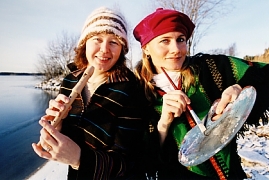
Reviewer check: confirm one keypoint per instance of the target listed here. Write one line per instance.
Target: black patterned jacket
(109, 129)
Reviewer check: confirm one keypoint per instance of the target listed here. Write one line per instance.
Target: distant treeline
(20, 74)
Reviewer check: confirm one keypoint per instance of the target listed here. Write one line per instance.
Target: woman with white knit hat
(101, 135)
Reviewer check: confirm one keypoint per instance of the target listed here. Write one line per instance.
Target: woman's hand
(56, 146)
(229, 95)
(174, 104)
(56, 106)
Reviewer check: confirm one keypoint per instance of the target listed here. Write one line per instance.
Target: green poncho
(214, 74)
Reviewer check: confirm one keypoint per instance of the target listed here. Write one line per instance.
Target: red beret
(160, 22)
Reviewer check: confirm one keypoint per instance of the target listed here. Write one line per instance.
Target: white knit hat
(105, 20)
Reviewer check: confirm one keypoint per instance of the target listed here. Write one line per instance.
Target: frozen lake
(21, 106)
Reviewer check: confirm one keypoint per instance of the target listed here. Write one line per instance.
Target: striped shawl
(108, 129)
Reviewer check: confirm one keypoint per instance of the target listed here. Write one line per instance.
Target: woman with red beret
(202, 79)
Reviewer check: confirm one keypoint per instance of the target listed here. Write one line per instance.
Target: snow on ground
(52, 170)
(254, 152)
(52, 84)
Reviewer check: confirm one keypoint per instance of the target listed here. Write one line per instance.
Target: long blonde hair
(145, 70)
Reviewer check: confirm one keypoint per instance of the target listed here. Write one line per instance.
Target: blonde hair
(145, 70)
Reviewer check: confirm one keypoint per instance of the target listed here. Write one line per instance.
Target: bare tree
(230, 51)
(203, 14)
(53, 61)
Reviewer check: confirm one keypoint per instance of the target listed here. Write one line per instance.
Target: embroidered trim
(222, 164)
(218, 168)
(235, 70)
(215, 73)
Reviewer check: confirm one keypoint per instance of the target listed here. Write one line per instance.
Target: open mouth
(103, 58)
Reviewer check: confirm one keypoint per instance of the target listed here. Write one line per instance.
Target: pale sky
(27, 26)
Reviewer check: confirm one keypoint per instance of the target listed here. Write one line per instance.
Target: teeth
(103, 59)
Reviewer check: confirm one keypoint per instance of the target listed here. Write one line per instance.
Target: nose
(104, 47)
(174, 47)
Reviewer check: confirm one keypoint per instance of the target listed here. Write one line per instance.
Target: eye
(114, 42)
(181, 39)
(96, 38)
(164, 41)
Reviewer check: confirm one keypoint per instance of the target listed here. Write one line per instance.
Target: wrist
(76, 167)
(163, 127)
(76, 164)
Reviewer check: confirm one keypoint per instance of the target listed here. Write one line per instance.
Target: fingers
(57, 105)
(47, 118)
(175, 107)
(176, 101)
(52, 112)
(58, 102)
(67, 152)
(49, 134)
(174, 104)
(40, 152)
(178, 95)
(229, 95)
(49, 141)
(46, 143)
(56, 146)
(216, 117)
(62, 98)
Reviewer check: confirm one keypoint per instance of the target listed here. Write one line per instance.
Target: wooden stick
(75, 92)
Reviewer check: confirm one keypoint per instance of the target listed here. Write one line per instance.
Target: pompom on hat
(105, 20)
(160, 22)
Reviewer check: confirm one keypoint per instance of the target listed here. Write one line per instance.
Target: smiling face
(103, 51)
(167, 50)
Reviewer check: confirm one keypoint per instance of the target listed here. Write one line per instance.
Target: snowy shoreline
(53, 84)
(51, 170)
